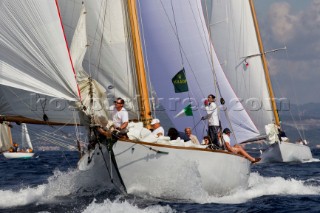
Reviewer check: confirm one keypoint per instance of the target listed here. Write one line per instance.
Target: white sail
(235, 41)
(108, 59)
(92, 92)
(5, 137)
(26, 141)
(165, 26)
(34, 54)
(35, 61)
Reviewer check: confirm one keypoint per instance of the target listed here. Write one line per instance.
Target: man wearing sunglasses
(120, 115)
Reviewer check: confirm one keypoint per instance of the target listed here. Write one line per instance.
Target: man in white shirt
(120, 119)
(213, 119)
(120, 115)
(236, 149)
(192, 137)
(157, 128)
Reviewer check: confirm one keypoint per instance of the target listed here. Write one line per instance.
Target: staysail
(108, 57)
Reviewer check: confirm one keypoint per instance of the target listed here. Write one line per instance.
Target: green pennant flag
(180, 82)
(187, 111)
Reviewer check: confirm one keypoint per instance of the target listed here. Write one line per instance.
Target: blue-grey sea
(47, 183)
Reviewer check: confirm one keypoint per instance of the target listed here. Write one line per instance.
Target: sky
(294, 24)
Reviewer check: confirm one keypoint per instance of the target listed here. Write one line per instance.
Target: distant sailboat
(26, 150)
(235, 35)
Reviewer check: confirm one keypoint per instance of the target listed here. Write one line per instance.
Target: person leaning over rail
(236, 149)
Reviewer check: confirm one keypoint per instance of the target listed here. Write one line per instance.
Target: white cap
(155, 121)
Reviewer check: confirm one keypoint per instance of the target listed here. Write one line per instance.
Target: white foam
(185, 185)
(22, 197)
(260, 186)
(60, 184)
(124, 206)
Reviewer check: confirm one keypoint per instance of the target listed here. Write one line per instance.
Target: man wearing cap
(213, 119)
(157, 128)
(120, 115)
(236, 149)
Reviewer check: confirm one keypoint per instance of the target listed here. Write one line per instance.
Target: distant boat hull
(147, 166)
(23, 155)
(286, 152)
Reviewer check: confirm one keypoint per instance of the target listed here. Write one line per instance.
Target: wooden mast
(264, 62)
(139, 61)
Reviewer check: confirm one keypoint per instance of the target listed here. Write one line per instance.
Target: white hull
(217, 172)
(286, 152)
(18, 155)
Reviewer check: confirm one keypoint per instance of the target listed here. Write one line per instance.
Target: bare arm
(124, 125)
(101, 131)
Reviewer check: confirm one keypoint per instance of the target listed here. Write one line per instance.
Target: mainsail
(26, 141)
(235, 40)
(176, 36)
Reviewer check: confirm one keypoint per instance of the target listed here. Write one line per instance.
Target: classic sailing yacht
(108, 60)
(144, 154)
(235, 35)
(26, 145)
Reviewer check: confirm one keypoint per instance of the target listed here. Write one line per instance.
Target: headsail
(92, 92)
(34, 55)
(34, 62)
(108, 59)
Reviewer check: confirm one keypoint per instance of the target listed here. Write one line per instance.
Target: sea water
(49, 182)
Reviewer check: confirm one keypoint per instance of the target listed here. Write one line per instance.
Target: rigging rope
(300, 132)
(210, 46)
